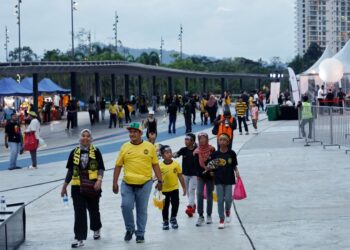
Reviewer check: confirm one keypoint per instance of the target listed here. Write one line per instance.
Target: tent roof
(328, 53)
(45, 85)
(344, 56)
(9, 87)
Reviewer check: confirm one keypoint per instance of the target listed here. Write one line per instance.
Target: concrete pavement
(298, 198)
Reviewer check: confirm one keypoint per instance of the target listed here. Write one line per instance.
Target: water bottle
(3, 204)
(65, 200)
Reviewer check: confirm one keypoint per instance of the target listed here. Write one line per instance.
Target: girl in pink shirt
(255, 115)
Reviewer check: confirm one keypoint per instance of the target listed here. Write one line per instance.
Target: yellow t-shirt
(170, 176)
(120, 112)
(228, 101)
(203, 104)
(113, 109)
(137, 161)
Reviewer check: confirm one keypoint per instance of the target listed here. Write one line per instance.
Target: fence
(12, 226)
(330, 126)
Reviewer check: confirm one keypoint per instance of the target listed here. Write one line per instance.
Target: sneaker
(32, 167)
(247, 133)
(200, 221)
(173, 223)
(189, 211)
(166, 225)
(140, 239)
(77, 243)
(228, 217)
(209, 220)
(128, 235)
(221, 224)
(97, 235)
(240, 133)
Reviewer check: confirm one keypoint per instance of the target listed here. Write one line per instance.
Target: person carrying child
(171, 174)
(225, 162)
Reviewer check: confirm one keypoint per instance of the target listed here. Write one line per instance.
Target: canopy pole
(35, 92)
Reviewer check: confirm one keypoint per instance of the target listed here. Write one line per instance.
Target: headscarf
(211, 102)
(81, 134)
(203, 151)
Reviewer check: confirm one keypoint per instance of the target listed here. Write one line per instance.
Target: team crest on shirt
(229, 160)
(145, 151)
(175, 171)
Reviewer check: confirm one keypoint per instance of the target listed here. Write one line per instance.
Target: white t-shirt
(320, 94)
(56, 100)
(34, 125)
(256, 98)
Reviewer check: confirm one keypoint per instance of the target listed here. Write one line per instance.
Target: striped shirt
(241, 108)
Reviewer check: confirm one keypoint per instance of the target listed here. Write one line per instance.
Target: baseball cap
(151, 112)
(135, 125)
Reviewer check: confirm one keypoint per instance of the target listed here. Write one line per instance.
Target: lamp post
(161, 50)
(18, 14)
(7, 40)
(89, 42)
(180, 40)
(73, 5)
(276, 76)
(115, 28)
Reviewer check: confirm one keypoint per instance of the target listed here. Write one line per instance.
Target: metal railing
(12, 226)
(330, 126)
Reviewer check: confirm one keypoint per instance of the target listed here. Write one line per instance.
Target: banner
(275, 92)
(294, 85)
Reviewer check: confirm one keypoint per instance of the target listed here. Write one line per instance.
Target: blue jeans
(14, 151)
(200, 197)
(224, 193)
(172, 121)
(139, 197)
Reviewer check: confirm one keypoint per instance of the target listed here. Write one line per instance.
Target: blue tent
(45, 86)
(9, 87)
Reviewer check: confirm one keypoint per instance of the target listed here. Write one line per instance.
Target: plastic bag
(30, 141)
(215, 196)
(158, 200)
(239, 190)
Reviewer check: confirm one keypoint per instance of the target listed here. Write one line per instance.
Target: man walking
(138, 158)
(241, 109)
(172, 111)
(13, 139)
(113, 110)
(187, 116)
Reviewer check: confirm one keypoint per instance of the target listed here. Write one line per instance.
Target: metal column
(186, 84)
(140, 85)
(154, 81)
(97, 96)
(114, 95)
(204, 85)
(35, 92)
(126, 86)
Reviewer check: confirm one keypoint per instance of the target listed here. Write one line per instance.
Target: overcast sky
(219, 28)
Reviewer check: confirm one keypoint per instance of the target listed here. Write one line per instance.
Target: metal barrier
(330, 127)
(12, 226)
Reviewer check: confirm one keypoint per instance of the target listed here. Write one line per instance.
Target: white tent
(344, 57)
(328, 53)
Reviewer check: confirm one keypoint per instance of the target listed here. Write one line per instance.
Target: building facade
(325, 22)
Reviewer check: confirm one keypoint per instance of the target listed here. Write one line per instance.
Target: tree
(55, 55)
(27, 54)
(154, 58)
(143, 58)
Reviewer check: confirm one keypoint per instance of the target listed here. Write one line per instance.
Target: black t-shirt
(13, 131)
(189, 162)
(225, 174)
(103, 105)
(172, 110)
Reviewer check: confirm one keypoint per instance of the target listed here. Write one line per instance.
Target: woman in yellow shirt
(172, 174)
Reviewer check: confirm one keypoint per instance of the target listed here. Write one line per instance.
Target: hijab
(203, 151)
(211, 102)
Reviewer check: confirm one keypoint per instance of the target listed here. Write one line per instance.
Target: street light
(7, 40)
(180, 40)
(115, 28)
(161, 50)
(73, 7)
(276, 76)
(18, 14)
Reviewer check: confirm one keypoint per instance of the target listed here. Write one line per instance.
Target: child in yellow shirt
(172, 174)
(120, 116)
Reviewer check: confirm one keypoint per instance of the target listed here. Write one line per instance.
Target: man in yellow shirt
(138, 158)
(113, 110)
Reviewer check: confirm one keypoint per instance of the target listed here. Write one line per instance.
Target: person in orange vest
(225, 124)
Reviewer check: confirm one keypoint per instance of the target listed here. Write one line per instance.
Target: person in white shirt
(34, 125)
(320, 95)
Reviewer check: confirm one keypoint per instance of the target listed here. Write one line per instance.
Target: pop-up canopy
(9, 87)
(46, 85)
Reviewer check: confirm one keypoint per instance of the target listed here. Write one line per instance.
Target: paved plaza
(298, 197)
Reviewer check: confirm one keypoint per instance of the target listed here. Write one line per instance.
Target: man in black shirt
(341, 95)
(13, 139)
(187, 115)
(71, 110)
(189, 170)
(172, 111)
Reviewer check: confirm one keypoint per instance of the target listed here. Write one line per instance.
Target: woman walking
(85, 172)
(34, 126)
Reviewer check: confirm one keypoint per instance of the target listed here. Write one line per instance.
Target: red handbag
(30, 141)
(239, 190)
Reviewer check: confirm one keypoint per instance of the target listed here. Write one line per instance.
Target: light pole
(73, 5)
(115, 28)
(7, 40)
(180, 40)
(89, 42)
(18, 14)
(161, 50)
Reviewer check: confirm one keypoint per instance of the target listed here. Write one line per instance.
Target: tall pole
(18, 12)
(89, 42)
(115, 28)
(7, 40)
(180, 40)
(161, 50)
(72, 9)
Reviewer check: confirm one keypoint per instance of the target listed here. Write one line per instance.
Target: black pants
(127, 117)
(81, 203)
(240, 120)
(92, 114)
(194, 116)
(173, 198)
(113, 118)
(204, 119)
(70, 121)
(188, 124)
